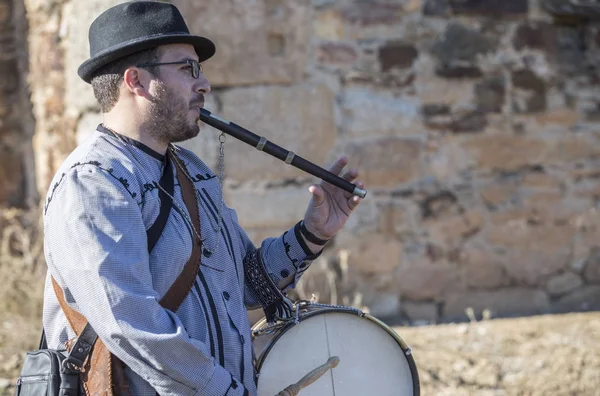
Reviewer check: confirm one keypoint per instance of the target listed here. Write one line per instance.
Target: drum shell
(373, 358)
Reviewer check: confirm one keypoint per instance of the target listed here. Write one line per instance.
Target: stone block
(560, 117)
(491, 8)
(258, 42)
(299, 118)
(397, 218)
(446, 159)
(457, 51)
(329, 25)
(386, 162)
(336, 54)
(482, 268)
(368, 112)
(530, 91)
(500, 303)
(532, 252)
(421, 311)
(9, 83)
(273, 208)
(498, 193)
(439, 204)
(540, 180)
(452, 231)
(585, 299)
(460, 43)
(563, 283)
(397, 55)
(421, 280)
(439, 8)
(435, 109)
(360, 20)
(364, 221)
(453, 71)
(384, 305)
(572, 148)
(505, 152)
(373, 254)
(430, 88)
(373, 12)
(536, 35)
(11, 177)
(591, 271)
(552, 206)
(468, 122)
(490, 95)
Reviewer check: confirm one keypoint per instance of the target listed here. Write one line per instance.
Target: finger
(318, 194)
(338, 165)
(353, 202)
(351, 174)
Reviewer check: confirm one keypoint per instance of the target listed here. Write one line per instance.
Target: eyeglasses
(196, 67)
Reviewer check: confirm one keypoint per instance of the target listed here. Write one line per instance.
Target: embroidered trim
(122, 180)
(199, 177)
(263, 288)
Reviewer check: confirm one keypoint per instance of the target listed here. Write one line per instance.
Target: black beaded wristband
(310, 236)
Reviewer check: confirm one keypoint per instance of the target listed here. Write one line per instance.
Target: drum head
(372, 360)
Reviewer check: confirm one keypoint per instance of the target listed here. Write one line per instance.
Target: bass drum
(373, 359)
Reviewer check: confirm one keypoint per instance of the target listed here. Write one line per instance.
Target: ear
(135, 81)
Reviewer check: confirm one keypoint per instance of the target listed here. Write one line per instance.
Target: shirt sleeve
(97, 241)
(285, 258)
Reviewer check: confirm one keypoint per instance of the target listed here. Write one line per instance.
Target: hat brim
(204, 47)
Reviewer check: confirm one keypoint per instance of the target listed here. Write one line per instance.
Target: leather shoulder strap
(167, 183)
(184, 282)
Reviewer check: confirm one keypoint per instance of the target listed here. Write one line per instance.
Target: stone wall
(474, 123)
(17, 181)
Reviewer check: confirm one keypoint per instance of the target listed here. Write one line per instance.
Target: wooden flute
(289, 157)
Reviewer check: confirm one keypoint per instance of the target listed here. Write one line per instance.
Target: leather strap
(184, 282)
(107, 376)
(166, 202)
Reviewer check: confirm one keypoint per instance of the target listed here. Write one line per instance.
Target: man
(145, 72)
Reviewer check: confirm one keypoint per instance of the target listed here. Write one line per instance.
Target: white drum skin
(373, 358)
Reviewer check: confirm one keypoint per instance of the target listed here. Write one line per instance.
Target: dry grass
(22, 270)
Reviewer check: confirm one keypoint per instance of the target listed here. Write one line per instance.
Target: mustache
(197, 101)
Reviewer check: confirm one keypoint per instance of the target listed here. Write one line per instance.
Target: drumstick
(309, 378)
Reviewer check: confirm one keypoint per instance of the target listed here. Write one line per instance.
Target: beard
(168, 120)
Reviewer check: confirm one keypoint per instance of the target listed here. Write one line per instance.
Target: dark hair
(107, 80)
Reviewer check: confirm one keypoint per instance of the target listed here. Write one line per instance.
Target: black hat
(135, 26)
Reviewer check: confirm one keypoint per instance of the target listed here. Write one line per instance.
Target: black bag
(44, 373)
(49, 372)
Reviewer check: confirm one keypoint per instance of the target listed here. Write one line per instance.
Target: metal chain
(222, 139)
(187, 176)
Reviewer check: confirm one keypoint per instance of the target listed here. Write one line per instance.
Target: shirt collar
(133, 142)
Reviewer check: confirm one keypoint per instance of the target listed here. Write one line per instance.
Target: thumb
(318, 194)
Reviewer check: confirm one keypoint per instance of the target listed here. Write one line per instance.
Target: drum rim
(403, 345)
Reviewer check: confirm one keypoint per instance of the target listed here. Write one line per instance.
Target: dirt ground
(546, 355)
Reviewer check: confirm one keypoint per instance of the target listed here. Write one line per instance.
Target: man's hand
(330, 206)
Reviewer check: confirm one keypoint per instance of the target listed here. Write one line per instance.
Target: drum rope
(303, 304)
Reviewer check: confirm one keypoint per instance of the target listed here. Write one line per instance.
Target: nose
(202, 85)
